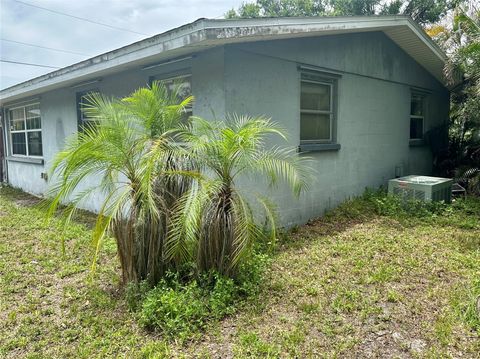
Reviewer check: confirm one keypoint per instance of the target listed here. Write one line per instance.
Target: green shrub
(250, 274)
(135, 294)
(177, 311)
(181, 310)
(393, 206)
(222, 297)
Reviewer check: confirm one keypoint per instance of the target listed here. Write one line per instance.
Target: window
(317, 110)
(183, 86)
(417, 116)
(26, 130)
(83, 119)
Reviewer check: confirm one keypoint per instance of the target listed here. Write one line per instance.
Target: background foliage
(460, 38)
(422, 11)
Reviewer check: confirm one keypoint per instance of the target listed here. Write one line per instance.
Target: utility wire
(28, 64)
(44, 47)
(80, 18)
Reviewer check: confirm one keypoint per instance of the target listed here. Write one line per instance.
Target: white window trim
(81, 121)
(25, 130)
(331, 113)
(422, 117)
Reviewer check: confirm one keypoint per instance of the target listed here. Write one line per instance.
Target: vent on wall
(421, 188)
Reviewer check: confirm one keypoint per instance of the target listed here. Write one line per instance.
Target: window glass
(84, 100)
(25, 130)
(34, 143)
(315, 96)
(183, 87)
(32, 111)
(314, 127)
(316, 111)
(18, 144)
(34, 123)
(416, 128)
(17, 114)
(416, 107)
(17, 125)
(17, 122)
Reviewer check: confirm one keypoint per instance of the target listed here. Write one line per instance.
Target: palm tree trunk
(216, 241)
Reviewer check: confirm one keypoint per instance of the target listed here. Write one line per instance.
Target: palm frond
(225, 151)
(130, 158)
(284, 164)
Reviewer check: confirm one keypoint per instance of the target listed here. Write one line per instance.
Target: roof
(207, 33)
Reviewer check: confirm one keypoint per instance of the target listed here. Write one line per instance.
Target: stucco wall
(373, 111)
(263, 79)
(59, 112)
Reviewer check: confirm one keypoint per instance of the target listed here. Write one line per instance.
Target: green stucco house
(357, 94)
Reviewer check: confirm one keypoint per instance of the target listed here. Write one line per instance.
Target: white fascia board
(427, 40)
(108, 61)
(211, 33)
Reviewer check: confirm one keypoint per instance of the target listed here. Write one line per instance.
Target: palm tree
(463, 44)
(139, 169)
(215, 221)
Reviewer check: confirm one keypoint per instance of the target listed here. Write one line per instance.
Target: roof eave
(188, 38)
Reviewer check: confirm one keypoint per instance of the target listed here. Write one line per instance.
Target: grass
(354, 283)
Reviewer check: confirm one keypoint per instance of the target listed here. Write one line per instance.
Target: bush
(222, 297)
(175, 311)
(135, 294)
(181, 307)
(386, 205)
(250, 275)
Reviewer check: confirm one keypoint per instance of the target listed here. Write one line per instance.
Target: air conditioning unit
(421, 188)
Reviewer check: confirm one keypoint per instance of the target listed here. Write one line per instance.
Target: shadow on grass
(23, 199)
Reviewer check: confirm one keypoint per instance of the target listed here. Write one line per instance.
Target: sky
(31, 25)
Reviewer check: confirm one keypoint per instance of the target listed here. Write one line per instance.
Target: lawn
(364, 281)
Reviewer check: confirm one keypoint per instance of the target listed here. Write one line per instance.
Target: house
(357, 94)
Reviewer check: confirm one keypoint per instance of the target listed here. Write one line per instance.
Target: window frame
(189, 109)
(78, 97)
(330, 113)
(331, 80)
(423, 116)
(172, 76)
(25, 130)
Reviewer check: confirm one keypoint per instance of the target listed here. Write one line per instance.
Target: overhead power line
(80, 18)
(28, 64)
(44, 47)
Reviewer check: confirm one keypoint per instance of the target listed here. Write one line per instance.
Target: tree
(278, 8)
(215, 222)
(354, 7)
(462, 42)
(169, 188)
(141, 172)
(427, 11)
(422, 11)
